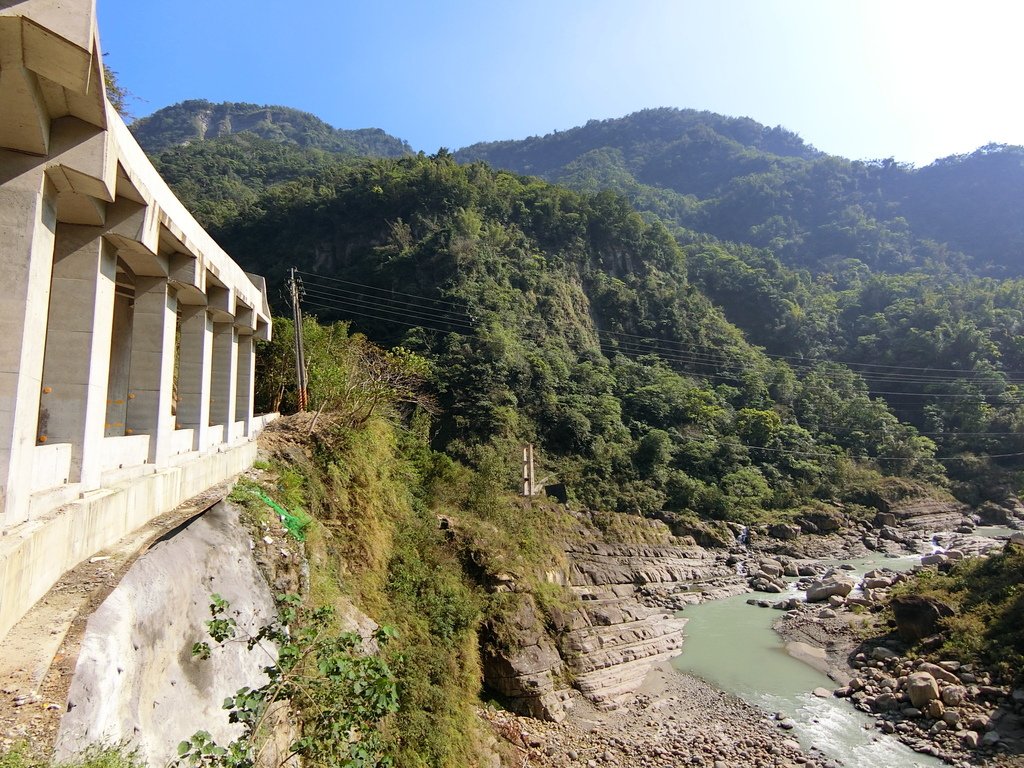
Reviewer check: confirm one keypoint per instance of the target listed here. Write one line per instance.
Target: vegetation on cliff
(986, 601)
(198, 120)
(404, 533)
(569, 321)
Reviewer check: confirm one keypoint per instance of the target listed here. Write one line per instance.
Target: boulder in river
(918, 617)
(922, 688)
(824, 589)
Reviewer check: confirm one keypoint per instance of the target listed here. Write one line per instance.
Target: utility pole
(300, 351)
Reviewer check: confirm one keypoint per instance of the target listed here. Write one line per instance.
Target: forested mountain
(747, 183)
(197, 120)
(566, 319)
(660, 367)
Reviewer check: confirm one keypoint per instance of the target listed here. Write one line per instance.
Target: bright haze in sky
(869, 79)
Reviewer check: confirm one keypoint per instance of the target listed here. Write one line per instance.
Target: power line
(348, 294)
(686, 354)
(376, 288)
(401, 312)
(335, 308)
(342, 299)
(812, 360)
(738, 376)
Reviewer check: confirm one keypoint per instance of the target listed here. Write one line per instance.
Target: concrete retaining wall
(34, 555)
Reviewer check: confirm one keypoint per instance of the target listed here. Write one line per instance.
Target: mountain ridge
(700, 172)
(199, 119)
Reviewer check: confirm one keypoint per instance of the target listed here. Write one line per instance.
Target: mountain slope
(197, 120)
(744, 182)
(568, 321)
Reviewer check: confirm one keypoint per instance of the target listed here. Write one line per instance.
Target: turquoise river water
(732, 645)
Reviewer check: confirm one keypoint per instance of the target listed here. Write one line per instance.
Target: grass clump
(20, 755)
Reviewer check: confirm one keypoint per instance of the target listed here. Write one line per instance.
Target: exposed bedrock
(615, 623)
(136, 680)
(928, 514)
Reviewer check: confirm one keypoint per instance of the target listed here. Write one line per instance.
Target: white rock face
(136, 679)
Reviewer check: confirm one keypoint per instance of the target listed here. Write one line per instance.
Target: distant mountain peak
(199, 120)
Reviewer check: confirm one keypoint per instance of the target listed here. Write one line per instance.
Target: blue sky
(864, 79)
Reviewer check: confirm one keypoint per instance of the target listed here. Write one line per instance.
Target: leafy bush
(341, 692)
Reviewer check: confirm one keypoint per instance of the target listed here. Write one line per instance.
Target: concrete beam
(25, 126)
(73, 208)
(82, 159)
(135, 231)
(245, 318)
(187, 273)
(60, 38)
(221, 302)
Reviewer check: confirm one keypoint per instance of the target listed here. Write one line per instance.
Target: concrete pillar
(120, 364)
(195, 360)
(151, 378)
(73, 405)
(27, 224)
(225, 377)
(246, 380)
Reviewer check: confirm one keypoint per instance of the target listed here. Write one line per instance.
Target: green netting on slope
(295, 524)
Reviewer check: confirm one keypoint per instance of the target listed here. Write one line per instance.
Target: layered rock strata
(928, 514)
(621, 629)
(611, 629)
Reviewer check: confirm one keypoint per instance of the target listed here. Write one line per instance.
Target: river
(732, 645)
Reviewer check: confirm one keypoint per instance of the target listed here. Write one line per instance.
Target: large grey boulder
(820, 590)
(922, 688)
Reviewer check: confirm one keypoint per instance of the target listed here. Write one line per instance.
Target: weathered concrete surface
(136, 679)
(96, 257)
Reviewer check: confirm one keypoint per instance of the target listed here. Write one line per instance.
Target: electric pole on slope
(295, 290)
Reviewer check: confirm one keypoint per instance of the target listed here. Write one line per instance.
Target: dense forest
(747, 183)
(665, 353)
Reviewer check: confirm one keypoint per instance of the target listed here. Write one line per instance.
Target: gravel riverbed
(676, 720)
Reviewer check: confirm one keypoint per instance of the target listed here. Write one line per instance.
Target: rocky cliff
(612, 626)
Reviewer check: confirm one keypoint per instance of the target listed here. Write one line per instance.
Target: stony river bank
(632, 709)
(675, 720)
